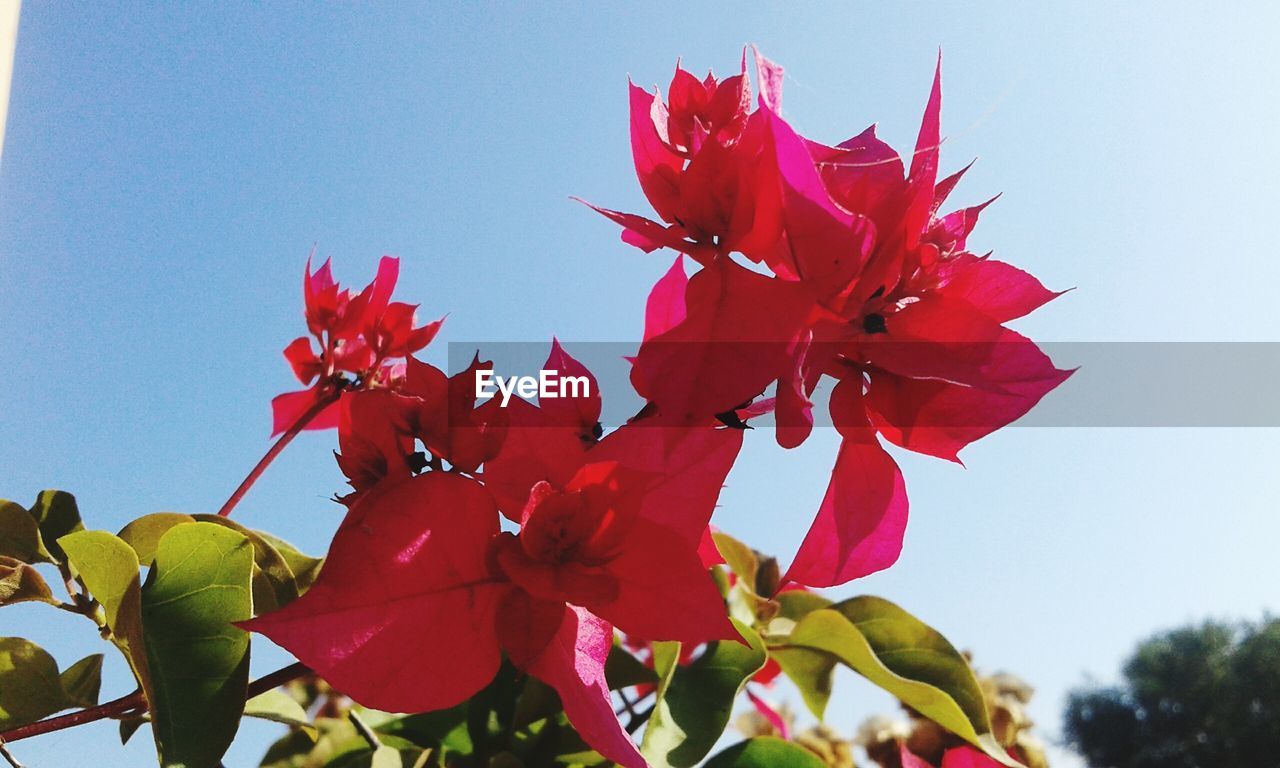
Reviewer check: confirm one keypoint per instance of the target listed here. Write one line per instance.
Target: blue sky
(168, 168)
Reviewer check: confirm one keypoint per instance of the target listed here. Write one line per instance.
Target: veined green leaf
(109, 569)
(765, 752)
(695, 701)
(199, 660)
(274, 582)
(905, 657)
(277, 706)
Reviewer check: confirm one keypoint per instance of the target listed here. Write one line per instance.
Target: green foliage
(695, 701)
(20, 535)
(109, 569)
(1206, 695)
(275, 583)
(82, 681)
(277, 706)
(32, 688)
(905, 657)
(765, 752)
(57, 515)
(199, 661)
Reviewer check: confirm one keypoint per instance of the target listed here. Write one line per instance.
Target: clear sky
(168, 167)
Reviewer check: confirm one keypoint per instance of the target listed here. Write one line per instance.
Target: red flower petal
(664, 309)
(998, 290)
(663, 590)
(967, 757)
(404, 595)
(939, 418)
(657, 166)
(732, 344)
(286, 409)
(685, 467)
(574, 666)
(862, 520)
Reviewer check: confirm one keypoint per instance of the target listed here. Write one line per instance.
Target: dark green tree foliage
(1196, 697)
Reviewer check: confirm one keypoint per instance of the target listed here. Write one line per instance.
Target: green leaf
(811, 671)
(144, 534)
(20, 535)
(130, 726)
(305, 568)
(765, 752)
(57, 515)
(905, 657)
(444, 730)
(622, 670)
(30, 688)
(274, 585)
(109, 569)
(798, 603)
(199, 661)
(277, 706)
(740, 558)
(695, 701)
(274, 582)
(21, 583)
(82, 681)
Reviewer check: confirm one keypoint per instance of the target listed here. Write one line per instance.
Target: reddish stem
(136, 703)
(279, 445)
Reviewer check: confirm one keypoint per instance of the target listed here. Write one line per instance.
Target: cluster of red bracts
(868, 285)
(424, 592)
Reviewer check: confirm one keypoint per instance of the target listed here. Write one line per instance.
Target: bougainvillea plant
(516, 584)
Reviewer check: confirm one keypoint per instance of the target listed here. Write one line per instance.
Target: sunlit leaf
(199, 585)
(20, 583)
(811, 671)
(905, 657)
(695, 701)
(274, 582)
(765, 752)
(144, 534)
(30, 688)
(277, 706)
(109, 569)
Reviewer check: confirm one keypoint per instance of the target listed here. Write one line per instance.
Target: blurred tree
(1196, 697)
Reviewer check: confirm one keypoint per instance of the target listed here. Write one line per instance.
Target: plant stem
(126, 705)
(279, 445)
(8, 756)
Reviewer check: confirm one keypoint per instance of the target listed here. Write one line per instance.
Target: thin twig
(8, 756)
(135, 703)
(315, 410)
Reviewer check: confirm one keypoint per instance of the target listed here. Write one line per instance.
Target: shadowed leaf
(57, 515)
(199, 661)
(695, 701)
(765, 752)
(20, 535)
(82, 681)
